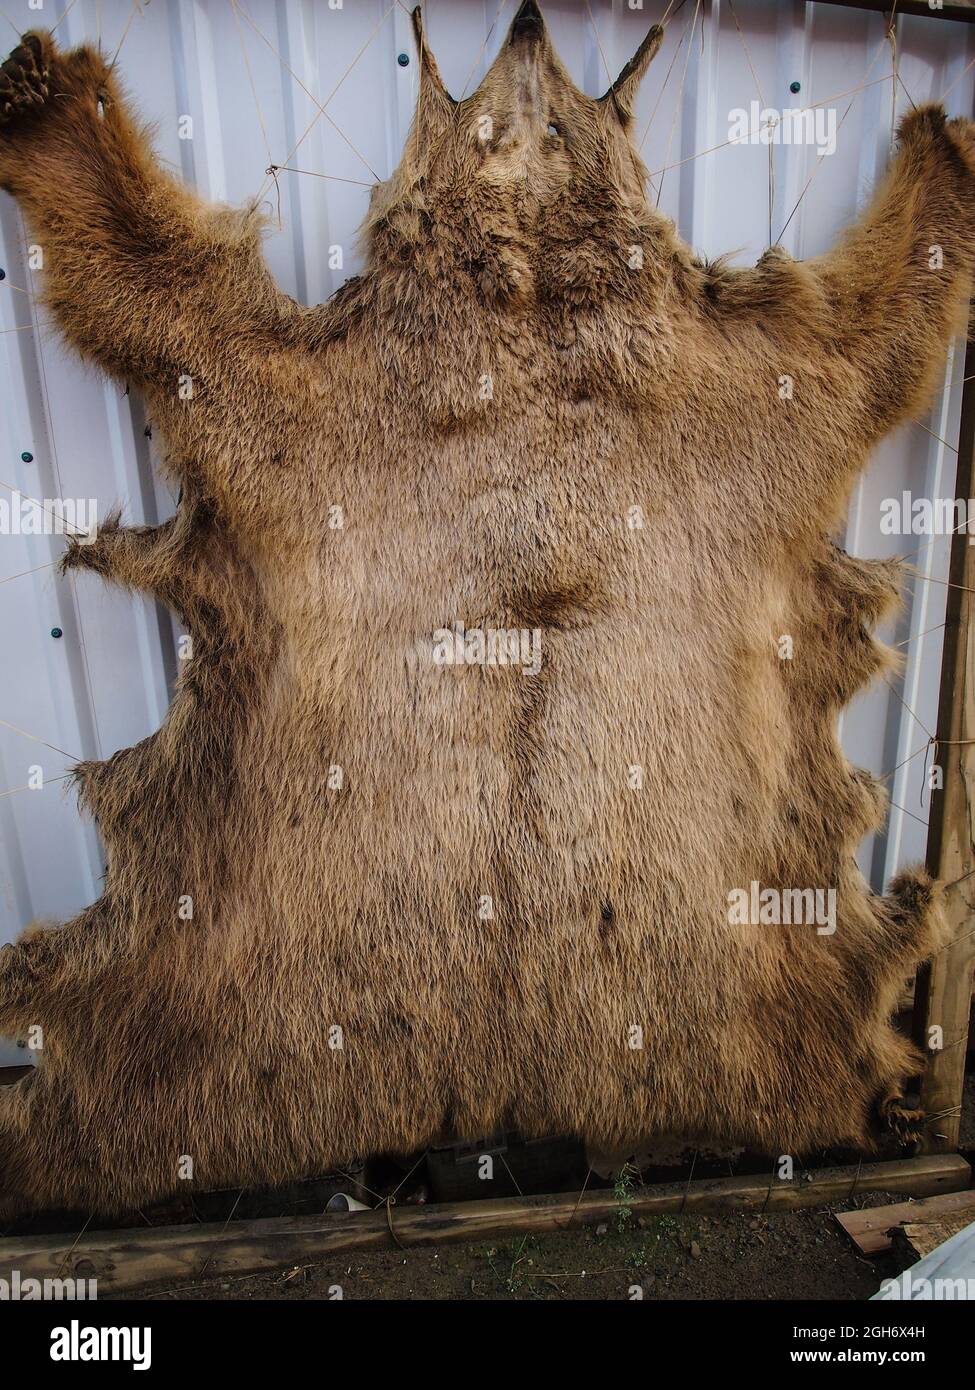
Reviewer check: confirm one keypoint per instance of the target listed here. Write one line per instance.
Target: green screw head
(795, 87)
(404, 60)
(56, 632)
(27, 457)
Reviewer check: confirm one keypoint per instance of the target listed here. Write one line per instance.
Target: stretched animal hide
(443, 880)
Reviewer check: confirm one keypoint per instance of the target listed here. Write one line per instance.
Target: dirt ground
(787, 1255)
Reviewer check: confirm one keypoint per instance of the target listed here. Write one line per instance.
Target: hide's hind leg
(50, 979)
(45, 1163)
(15, 1165)
(913, 928)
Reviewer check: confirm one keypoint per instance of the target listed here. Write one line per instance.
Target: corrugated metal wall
(250, 77)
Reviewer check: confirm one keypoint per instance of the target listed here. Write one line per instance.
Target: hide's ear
(622, 95)
(435, 106)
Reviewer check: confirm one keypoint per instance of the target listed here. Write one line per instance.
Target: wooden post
(944, 988)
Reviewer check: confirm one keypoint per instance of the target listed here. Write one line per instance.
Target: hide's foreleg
(896, 288)
(157, 287)
(152, 558)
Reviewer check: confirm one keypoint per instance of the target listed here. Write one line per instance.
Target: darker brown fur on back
(430, 894)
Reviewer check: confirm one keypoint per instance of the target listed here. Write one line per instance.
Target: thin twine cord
(891, 37)
(819, 161)
(663, 88)
(952, 85)
(920, 424)
(510, 1174)
(908, 640)
(65, 12)
(56, 461)
(314, 174)
(599, 46)
(322, 105)
(761, 98)
(136, 9)
(906, 92)
(575, 1209)
(209, 1259)
(917, 721)
(946, 583)
(34, 739)
(770, 125)
(687, 1185)
(898, 807)
(680, 96)
(390, 1201)
(47, 782)
(924, 748)
(407, 1177)
(36, 570)
(34, 502)
(480, 52)
(322, 111)
(250, 78)
(74, 1246)
(355, 1182)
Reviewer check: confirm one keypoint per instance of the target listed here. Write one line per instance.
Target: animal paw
(905, 1123)
(25, 77)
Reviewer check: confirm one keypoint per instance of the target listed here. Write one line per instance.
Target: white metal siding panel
(105, 683)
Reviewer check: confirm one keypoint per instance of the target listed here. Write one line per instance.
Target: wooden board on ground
(870, 1228)
(129, 1259)
(914, 1241)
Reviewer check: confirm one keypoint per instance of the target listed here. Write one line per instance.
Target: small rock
(695, 1250)
(601, 1230)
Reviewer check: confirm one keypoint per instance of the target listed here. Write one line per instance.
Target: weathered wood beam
(123, 1260)
(963, 10)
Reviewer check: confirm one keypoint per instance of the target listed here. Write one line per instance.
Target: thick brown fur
(487, 404)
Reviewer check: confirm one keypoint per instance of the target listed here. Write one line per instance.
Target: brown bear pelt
(433, 900)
